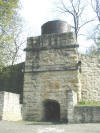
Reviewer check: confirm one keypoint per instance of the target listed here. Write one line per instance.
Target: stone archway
(51, 110)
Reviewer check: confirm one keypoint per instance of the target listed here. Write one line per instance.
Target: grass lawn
(89, 103)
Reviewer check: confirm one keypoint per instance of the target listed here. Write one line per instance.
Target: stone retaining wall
(86, 114)
(1, 104)
(10, 107)
(90, 77)
(80, 114)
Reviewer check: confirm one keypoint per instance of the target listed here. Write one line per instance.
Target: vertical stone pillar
(71, 102)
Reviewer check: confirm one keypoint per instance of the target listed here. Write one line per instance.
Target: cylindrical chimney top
(56, 26)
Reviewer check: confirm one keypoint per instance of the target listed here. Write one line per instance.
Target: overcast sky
(37, 12)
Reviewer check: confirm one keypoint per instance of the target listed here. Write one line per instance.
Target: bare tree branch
(76, 11)
(85, 24)
(96, 7)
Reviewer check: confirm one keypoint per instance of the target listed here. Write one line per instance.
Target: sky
(37, 12)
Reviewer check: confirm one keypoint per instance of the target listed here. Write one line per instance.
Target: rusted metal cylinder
(56, 26)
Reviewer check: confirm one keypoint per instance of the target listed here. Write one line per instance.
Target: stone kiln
(51, 69)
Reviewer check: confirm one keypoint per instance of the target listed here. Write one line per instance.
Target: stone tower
(51, 68)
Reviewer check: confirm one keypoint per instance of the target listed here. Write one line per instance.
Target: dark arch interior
(51, 110)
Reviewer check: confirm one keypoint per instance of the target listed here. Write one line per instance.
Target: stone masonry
(90, 77)
(51, 68)
(56, 77)
(10, 107)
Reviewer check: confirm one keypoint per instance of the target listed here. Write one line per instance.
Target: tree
(18, 42)
(96, 7)
(75, 8)
(8, 19)
(95, 35)
(8, 9)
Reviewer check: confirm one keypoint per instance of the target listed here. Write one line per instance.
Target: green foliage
(89, 103)
(8, 19)
(7, 10)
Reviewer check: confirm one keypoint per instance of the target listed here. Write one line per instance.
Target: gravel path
(30, 127)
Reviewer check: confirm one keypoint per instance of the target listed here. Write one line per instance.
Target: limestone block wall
(80, 114)
(51, 49)
(86, 114)
(10, 107)
(48, 85)
(1, 103)
(51, 68)
(90, 77)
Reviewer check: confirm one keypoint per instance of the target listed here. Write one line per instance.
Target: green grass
(89, 103)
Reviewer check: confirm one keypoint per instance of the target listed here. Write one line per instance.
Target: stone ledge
(38, 48)
(51, 68)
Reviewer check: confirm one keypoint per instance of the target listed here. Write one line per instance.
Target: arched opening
(51, 110)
